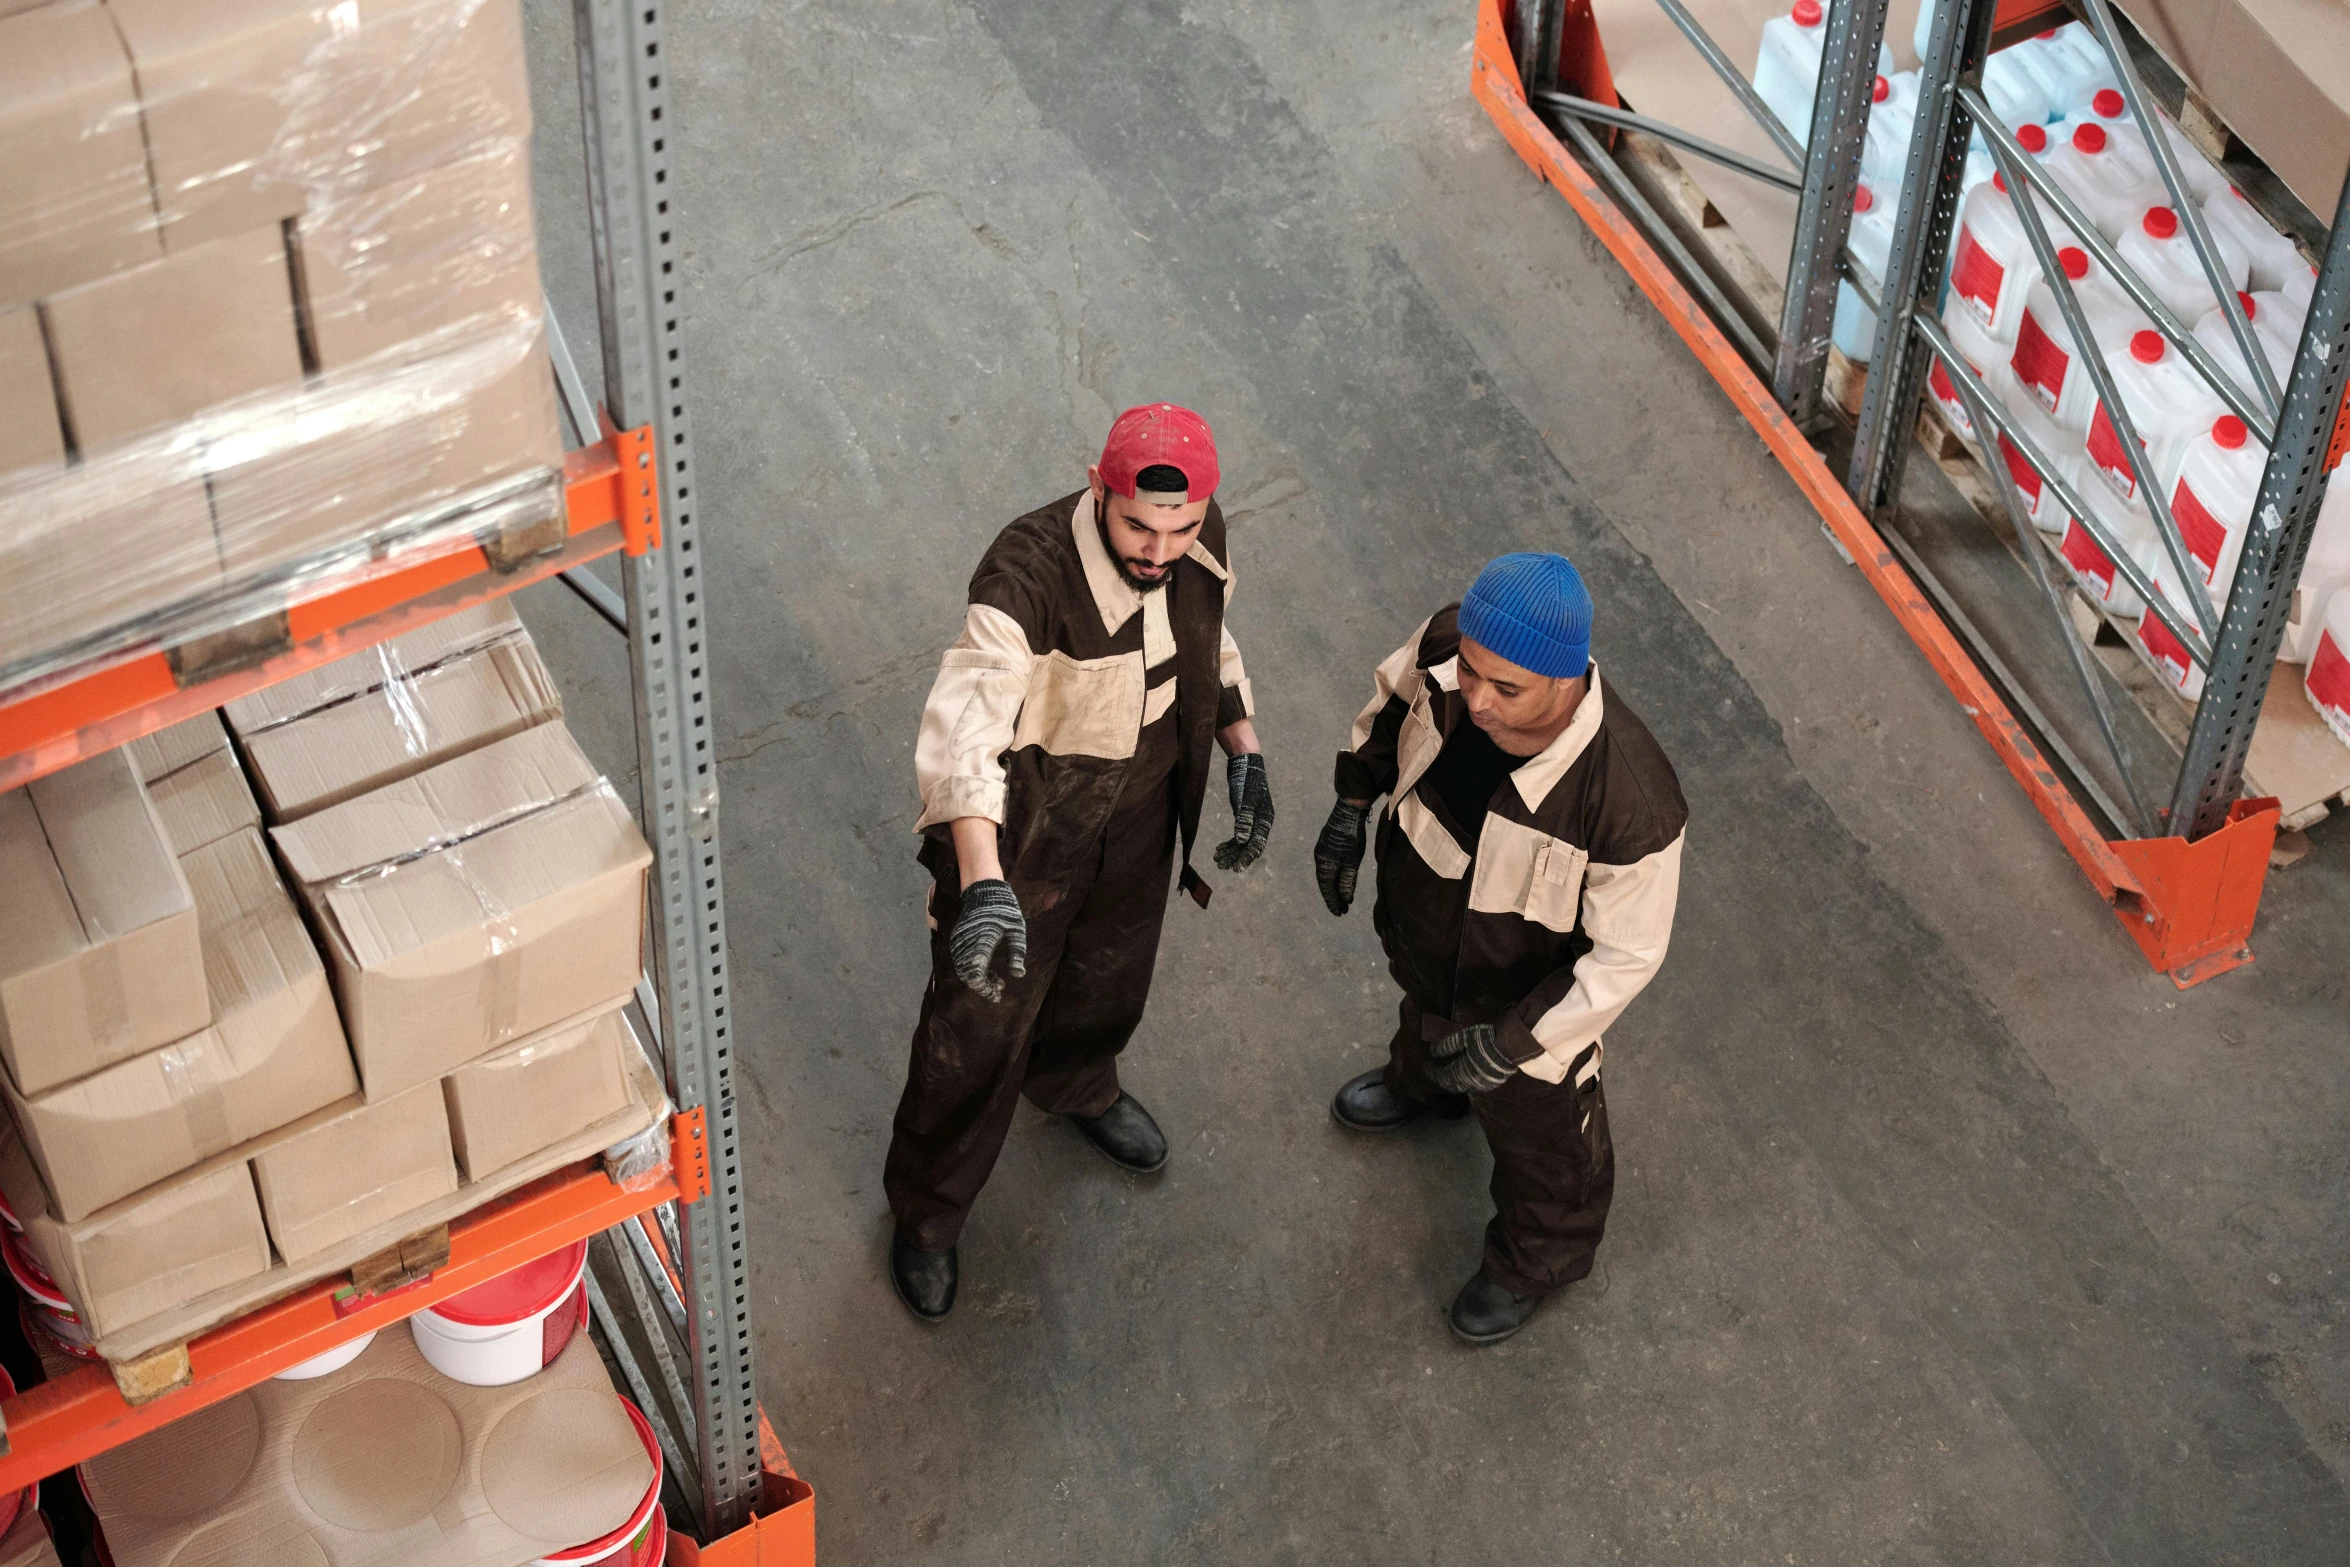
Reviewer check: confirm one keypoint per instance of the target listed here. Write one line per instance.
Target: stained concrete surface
(1945, 1232)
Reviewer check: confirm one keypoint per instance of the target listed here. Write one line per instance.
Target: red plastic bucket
(510, 1328)
(45, 1305)
(643, 1541)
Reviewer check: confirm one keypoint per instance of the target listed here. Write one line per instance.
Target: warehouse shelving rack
(2184, 876)
(679, 1324)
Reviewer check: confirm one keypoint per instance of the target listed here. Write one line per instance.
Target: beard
(1126, 567)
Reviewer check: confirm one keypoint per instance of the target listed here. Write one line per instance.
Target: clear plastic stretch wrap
(269, 307)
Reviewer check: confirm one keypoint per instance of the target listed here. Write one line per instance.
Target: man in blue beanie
(1529, 862)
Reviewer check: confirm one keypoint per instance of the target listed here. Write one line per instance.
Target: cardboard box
(363, 671)
(99, 953)
(475, 903)
(30, 436)
(27, 1544)
(412, 722)
(469, 417)
(2277, 71)
(151, 347)
(385, 1463)
(204, 802)
(274, 1053)
(382, 266)
(351, 1167)
(74, 199)
(536, 1092)
(252, 106)
(166, 751)
(178, 1239)
(82, 554)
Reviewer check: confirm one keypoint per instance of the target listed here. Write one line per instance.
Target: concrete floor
(1946, 1232)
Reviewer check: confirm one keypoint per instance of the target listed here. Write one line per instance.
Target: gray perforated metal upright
(625, 105)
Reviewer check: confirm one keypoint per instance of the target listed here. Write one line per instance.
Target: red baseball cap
(1160, 433)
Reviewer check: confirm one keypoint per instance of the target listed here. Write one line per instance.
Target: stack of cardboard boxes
(268, 293)
(238, 1039)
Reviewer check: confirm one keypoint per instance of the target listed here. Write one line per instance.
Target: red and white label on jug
(2038, 363)
(2105, 450)
(1975, 276)
(2027, 477)
(1938, 382)
(2205, 534)
(2168, 655)
(2083, 555)
(2329, 678)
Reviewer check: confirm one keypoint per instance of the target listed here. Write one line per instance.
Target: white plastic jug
(2327, 680)
(1884, 149)
(1991, 265)
(2299, 287)
(2324, 573)
(2106, 186)
(2040, 502)
(2018, 92)
(1787, 70)
(2046, 364)
(2212, 484)
(2274, 258)
(2264, 314)
(2167, 402)
(1871, 245)
(2130, 524)
(1983, 355)
(2163, 649)
(2081, 66)
(2157, 248)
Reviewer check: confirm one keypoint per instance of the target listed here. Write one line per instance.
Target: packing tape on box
(194, 1072)
(498, 979)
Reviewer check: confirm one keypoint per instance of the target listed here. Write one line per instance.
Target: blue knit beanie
(1532, 610)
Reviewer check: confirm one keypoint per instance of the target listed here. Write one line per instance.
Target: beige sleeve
(1397, 675)
(1628, 914)
(968, 723)
(1233, 675)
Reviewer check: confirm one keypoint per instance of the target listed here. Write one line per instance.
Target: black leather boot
(924, 1280)
(1365, 1104)
(1126, 1135)
(1485, 1313)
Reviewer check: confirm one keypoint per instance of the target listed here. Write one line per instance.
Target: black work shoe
(924, 1280)
(1366, 1104)
(1485, 1313)
(1126, 1135)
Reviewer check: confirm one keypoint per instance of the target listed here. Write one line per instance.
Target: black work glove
(1252, 812)
(991, 918)
(1338, 855)
(1470, 1060)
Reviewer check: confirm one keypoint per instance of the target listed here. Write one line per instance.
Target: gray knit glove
(991, 918)
(1252, 812)
(1470, 1061)
(1338, 855)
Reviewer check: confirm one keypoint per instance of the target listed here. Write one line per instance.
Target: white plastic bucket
(643, 1541)
(2274, 257)
(2157, 248)
(2167, 402)
(2327, 681)
(2213, 484)
(510, 1328)
(1991, 266)
(46, 1309)
(329, 1363)
(2046, 364)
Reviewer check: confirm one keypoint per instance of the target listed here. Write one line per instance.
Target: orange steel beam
(85, 712)
(75, 1417)
(1494, 80)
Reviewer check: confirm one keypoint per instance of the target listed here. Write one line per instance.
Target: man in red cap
(1063, 754)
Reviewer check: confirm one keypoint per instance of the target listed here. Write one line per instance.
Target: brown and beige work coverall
(1080, 715)
(1545, 921)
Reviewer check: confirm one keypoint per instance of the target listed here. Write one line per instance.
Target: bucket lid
(519, 1294)
(645, 1516)
(30, 1276)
